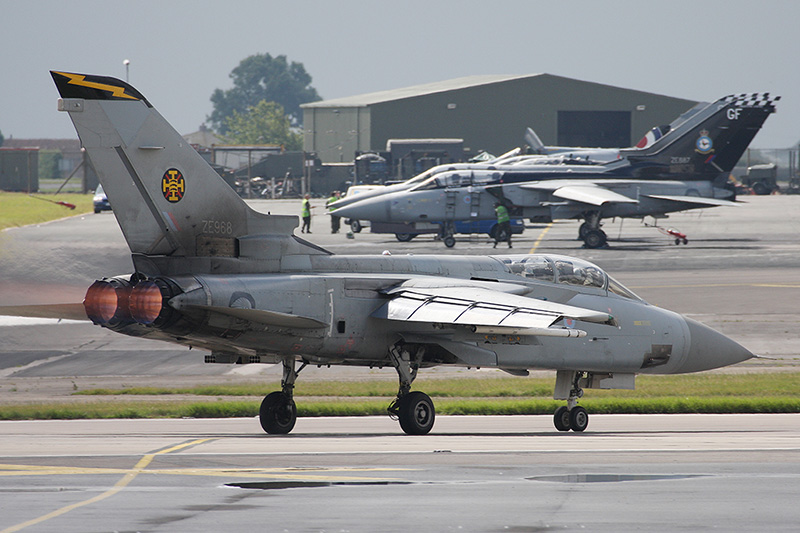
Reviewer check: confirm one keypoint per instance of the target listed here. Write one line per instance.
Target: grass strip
(244, 408)
(762, 384)
(20, 209)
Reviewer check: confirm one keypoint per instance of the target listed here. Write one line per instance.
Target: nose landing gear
(571, 416)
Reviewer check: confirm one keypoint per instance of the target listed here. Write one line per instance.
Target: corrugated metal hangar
(489, 113)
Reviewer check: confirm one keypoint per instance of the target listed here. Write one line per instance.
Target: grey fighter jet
(685, 168)
(212, 273)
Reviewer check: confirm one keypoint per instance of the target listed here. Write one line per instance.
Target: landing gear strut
(414, 410)
(572, 416)
(278, 412)
(448, 230)
(590, 232)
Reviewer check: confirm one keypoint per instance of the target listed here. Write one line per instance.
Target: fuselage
(345, 330)
(535, 198)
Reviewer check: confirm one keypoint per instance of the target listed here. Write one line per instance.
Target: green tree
(263, 123)
(1, 138)
(49, 161)
(263, 77)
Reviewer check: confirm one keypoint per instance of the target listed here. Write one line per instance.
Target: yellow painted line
(541, 236)
(129, 476)
(310, 474)
(290, 473)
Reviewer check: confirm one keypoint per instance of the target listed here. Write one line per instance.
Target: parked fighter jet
(685, 168)
(211, 272)
(535, 154)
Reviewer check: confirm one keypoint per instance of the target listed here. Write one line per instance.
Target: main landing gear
(278, 412)
(590, 232)
(447, 234)
(572, 416)
(415, 409)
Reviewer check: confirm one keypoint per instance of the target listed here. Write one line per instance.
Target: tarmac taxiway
(486, 473)
(740, 273)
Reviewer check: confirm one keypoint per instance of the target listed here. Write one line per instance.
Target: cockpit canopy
(565, 270)
(458, 178)
(522, 171)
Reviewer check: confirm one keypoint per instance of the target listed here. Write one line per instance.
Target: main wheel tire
(561, 418)
(278, 414)
(449, 241)
(355, 226)
(404, 237)
(578, 419)
(416, 413)
(582, 229)
(595, 238)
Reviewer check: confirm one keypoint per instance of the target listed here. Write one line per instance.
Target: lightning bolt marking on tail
(80, 79)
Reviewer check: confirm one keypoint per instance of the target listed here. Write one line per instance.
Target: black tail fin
(175, 211)
(707, 143)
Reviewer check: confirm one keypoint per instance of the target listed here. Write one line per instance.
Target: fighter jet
(534, 155)
(686, 167)
(209, 272)
(517, 158)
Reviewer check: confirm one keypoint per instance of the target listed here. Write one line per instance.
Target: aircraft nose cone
(364, 210)
(711, 349)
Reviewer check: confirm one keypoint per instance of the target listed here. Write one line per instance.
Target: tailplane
(174, 210)
(706, 141)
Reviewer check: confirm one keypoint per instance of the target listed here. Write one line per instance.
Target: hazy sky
(180, 51)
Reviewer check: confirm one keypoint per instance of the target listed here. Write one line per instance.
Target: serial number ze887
(218, 227)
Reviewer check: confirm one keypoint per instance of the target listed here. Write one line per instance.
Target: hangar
(489, 113)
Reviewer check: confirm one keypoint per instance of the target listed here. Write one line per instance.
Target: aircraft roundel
(173, 185)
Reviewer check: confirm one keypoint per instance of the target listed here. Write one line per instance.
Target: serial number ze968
(218, 227)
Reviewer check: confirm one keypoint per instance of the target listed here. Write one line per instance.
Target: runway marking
(288, 473)
(9, 470)
(129, 476)
(541, 236)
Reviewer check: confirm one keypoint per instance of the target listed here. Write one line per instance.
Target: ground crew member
(335, 221)
(503, 231)
(306, 213)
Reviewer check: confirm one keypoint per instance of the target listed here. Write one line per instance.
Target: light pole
(127, 63)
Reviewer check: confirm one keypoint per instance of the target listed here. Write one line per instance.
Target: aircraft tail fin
(175, 211)
(708, 140)
(652, 136)
(535, 144)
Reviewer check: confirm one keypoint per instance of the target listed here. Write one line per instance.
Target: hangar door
(594, 129)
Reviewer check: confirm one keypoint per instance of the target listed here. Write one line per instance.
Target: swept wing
(697, 200)
(485, 311)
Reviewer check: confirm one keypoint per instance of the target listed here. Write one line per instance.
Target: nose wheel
(575, 419)
(572, 416)
(561, 418)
